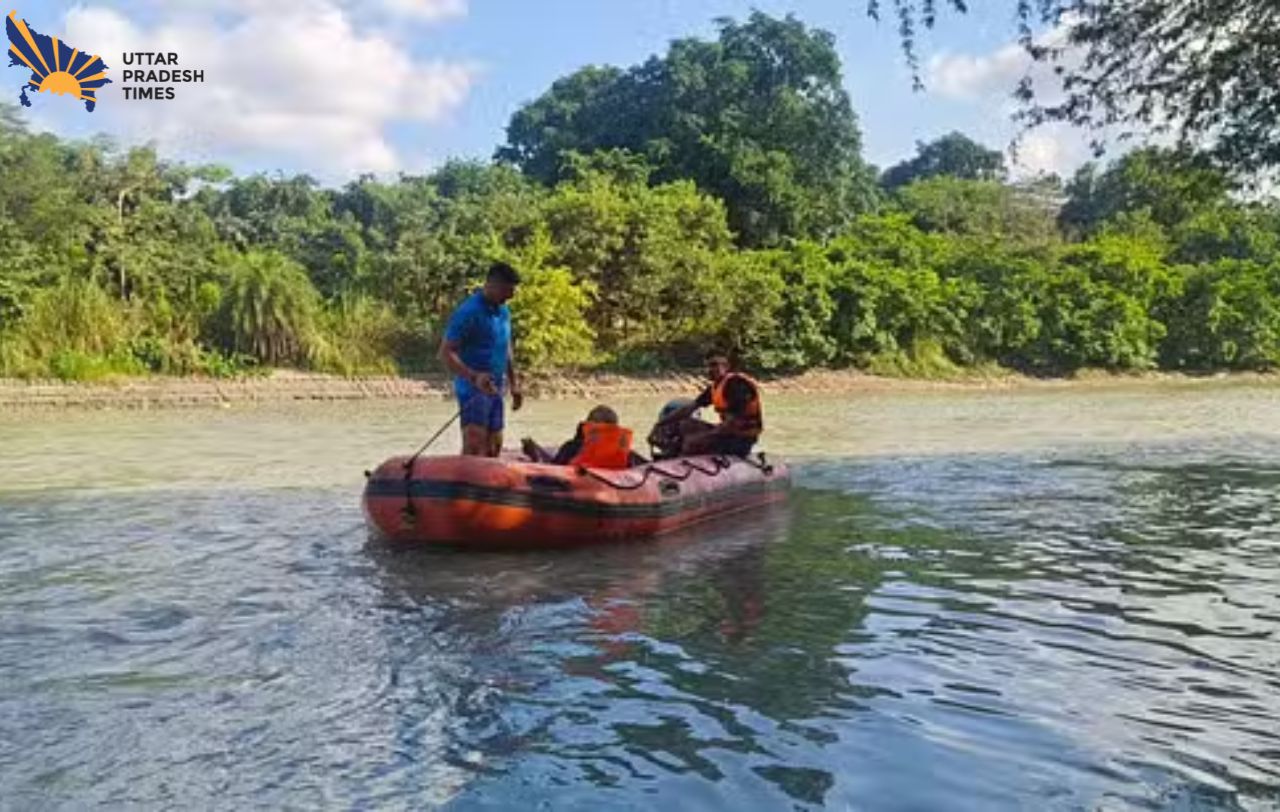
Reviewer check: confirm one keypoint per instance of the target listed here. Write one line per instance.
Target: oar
(408, 514)
(434, 437)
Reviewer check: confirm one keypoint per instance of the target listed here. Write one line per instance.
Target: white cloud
(427, 10)
(1055, 149)
(294, 78)
(987, 81)
(966, 77)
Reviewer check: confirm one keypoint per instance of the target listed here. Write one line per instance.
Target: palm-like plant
(269, 308)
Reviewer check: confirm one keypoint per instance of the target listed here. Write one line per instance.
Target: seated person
(735, 397)
(599, 442)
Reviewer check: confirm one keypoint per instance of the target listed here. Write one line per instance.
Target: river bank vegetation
(713, 194)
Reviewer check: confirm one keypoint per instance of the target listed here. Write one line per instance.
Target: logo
(56, 67)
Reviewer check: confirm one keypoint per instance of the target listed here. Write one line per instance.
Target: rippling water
(1054, 600)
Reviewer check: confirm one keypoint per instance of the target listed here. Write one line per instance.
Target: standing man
(736, 398)
(477, 350)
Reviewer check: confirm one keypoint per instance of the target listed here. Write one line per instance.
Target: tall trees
(1169, 186)
(758, 118)
(954, 155)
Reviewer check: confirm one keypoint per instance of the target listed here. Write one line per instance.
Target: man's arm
(449, 354)
(684, 412)
(452, 360)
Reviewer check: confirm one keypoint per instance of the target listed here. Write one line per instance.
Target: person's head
(602, 414)
(500, 283)
(717, 365)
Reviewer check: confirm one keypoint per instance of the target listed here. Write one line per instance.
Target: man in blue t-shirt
(477, 350)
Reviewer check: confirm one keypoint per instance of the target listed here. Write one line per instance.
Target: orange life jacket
(749, 424)
(604, 445)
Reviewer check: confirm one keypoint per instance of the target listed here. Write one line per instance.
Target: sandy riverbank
(285, 386)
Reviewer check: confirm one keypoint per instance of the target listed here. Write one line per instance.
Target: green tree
(1003, 290)
(890, 298)
(1229, 232)
(550, 310)
(568, 118)
(978, 208)
(953, 155)
(1171, 186)
(1098, 307)
(655, 254)
(758, 118)
(784, 321)
(448, 231)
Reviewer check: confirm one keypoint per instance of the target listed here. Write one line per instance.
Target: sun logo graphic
(55, 66)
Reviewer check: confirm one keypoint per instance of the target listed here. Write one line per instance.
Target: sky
(337, 88)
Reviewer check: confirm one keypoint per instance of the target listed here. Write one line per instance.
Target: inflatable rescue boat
(510, 502)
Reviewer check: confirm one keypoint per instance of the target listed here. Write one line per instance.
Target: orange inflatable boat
(474, 501)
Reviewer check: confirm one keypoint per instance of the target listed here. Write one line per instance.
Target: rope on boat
(720, 464)
(763, 466)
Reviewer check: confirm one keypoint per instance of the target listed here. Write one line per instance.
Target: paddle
(408, 514)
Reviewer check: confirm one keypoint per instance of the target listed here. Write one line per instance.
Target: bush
(550, 311)
(1226, 315)
(356, 336)
(926, 359)
(72, 365)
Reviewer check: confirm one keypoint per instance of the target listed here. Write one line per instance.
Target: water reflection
(721, 657)
(560, 639)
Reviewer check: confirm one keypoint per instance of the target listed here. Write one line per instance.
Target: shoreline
(283, 386)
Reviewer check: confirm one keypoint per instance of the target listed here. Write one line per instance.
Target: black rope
(763, 466)
(721, 464)
(649, 471)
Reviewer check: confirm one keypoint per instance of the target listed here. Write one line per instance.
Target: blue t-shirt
(482, 331)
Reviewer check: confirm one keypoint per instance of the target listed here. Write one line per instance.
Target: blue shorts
(479, 409)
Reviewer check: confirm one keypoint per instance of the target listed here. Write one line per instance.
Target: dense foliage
(639, 253)
(954, 155)
(759, 118)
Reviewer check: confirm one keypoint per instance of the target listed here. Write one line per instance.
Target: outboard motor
(666, 441)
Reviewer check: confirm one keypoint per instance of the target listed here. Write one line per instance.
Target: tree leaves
(1204, 71)
(758, 118)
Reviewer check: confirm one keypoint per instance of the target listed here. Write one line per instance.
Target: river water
(1046, 599)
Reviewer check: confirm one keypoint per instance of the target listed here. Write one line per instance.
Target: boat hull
(478, 502)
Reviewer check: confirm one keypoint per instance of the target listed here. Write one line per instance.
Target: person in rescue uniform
(735, 397)
(598, 443)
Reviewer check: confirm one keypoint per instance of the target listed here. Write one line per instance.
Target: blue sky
(337, 87)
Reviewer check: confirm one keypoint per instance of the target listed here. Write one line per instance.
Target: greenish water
(1056, 599)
